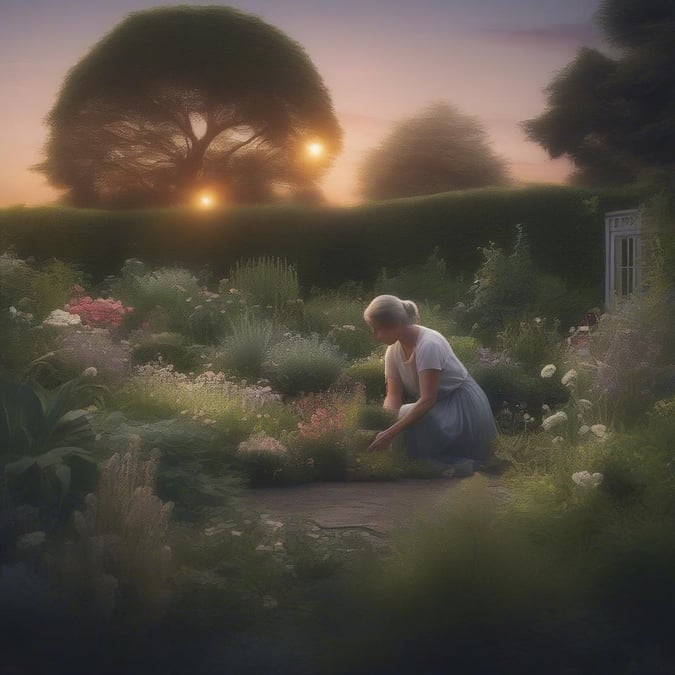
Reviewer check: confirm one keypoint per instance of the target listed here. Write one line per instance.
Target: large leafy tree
(177, 98)
(614, 116)
(440, 149)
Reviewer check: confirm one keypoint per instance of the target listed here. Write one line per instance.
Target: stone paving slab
(376, 506)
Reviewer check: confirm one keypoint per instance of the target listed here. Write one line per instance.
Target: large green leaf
(45, 445)
(22, 420)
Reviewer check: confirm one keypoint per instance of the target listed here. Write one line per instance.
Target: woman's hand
(382, 440)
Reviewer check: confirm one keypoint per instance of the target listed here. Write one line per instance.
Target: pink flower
(101, 312)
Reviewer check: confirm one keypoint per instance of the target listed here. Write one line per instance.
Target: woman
(451, 423)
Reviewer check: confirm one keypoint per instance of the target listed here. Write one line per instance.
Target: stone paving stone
(375, 507)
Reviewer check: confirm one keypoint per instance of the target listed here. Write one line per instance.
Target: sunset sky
(381, 60)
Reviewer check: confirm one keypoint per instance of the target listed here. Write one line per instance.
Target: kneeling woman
(451, 422)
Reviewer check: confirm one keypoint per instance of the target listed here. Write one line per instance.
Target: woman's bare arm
(394, 397)
(429, 385)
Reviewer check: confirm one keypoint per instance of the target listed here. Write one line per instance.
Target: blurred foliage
(271, 283)
(46, 443)
(248, 346)
(329, 245)
(438, 150)
(303, 364)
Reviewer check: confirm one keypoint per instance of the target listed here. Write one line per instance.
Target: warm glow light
(315, 149)
(206, 201)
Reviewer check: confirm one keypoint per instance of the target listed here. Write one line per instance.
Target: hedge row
(329, 245)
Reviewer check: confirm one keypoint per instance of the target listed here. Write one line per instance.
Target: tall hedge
(565, 227)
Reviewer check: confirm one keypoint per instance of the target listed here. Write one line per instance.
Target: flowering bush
(99, 312)
(324, 432)
(121, 551)
(74, 350)
(233, 410)
(264, 460)
(323, 422)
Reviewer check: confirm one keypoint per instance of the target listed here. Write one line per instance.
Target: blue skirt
(459, 425)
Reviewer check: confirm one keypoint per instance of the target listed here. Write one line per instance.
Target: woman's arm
(394, 397)
(429, 384)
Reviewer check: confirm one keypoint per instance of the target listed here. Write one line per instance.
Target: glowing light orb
(315, 149)
(206, 201)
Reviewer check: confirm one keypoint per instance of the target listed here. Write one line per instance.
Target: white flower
(554, 420)
(349, 326)
(557, 440)
(569, 377)
(59, 318)
(90, 372)
(587, 479)
(584, 404)
(599, 430)
(548, 371)
(584, 429)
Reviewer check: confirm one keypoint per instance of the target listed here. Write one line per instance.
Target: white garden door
(623, 255)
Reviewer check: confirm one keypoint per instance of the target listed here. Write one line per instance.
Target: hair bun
(411, 310)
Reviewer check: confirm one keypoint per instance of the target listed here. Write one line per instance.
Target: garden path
(376, 507)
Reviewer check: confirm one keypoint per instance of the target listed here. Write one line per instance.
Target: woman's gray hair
(390, 309)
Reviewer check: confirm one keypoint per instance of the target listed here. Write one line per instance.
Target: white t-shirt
(432, 352)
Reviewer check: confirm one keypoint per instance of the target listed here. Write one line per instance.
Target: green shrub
(168, 348)
(466, 348)
(328, 455)
(510, 384)
(51, 286)
(331, 244)
(385, 465)
(195, 471)
(248, 347)
(269, 282)
(173, 289)
(428, 282)
(72, 351)
(432, 316)
(375, 417)
(370, 373)
(509, 288)
(264, 460)
(322, 313)
(46, 443)
(156, 393)
(303, 364)
(354, 342)
(531, 343)
(15, 282)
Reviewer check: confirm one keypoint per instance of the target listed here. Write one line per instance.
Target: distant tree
(615, 117)
(178, 98)
(439, 150)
